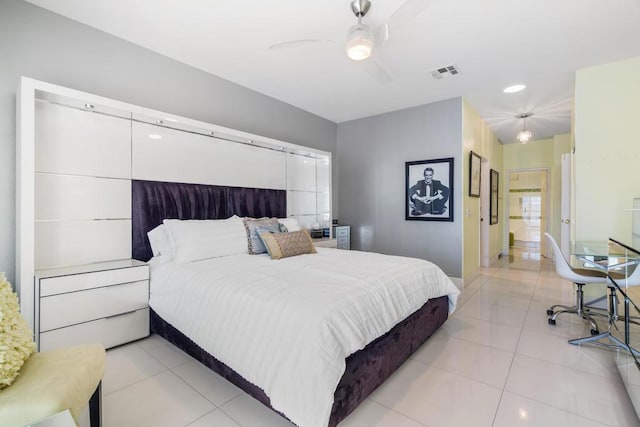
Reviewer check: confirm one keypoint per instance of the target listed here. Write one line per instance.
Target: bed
(309, 336)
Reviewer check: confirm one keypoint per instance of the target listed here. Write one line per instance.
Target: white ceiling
(494, 43)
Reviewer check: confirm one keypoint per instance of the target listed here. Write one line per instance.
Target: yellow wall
(477, 137)
(544, 153)
(607, 157)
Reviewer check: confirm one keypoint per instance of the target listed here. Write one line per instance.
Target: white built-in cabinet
(76, 156)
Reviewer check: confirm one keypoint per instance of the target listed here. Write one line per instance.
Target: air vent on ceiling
(448, 71)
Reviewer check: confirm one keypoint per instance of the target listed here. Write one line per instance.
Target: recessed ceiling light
(155, 136)
(514, 88)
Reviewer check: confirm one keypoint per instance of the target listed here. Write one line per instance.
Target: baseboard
(458, 281)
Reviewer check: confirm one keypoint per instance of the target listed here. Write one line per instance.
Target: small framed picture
(474, 174)
(429, 190)
(494, 181)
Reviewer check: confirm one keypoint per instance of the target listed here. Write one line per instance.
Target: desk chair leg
(95, 407)
(578, 309)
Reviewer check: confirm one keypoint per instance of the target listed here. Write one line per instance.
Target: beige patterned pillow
(283, 245)
(16, 340)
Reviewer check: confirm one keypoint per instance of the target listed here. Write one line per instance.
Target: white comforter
(288, 325)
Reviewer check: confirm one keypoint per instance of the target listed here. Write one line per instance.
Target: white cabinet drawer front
(62, 310)
(63, 243)
(79, 282)
(76, 142)
(330, 243)
(341, 231)
(61, 197)
(109, 332)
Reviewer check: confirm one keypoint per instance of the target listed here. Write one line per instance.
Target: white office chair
(580, 277)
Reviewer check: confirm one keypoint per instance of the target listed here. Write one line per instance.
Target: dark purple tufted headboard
(153, 201)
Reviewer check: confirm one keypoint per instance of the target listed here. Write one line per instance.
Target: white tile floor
(495, 362)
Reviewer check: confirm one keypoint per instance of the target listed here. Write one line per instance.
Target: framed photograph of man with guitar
(429, 190)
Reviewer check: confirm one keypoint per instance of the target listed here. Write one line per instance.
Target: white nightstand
(325, 242)
(106, 302)
(343, 236)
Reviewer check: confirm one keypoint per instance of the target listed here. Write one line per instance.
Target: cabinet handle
(120, 314)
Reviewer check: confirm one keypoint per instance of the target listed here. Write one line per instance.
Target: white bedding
(288, 325)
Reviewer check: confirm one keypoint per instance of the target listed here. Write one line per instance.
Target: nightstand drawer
(78, 282)
(62, 310)
(342, 232)
(109, 332)
(325, 243)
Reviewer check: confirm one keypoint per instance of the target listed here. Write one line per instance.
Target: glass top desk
(622, 264)
(620, 261)
(613, 256)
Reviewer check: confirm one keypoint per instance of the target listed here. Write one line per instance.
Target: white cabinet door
(77, 142)
(65, 197)
(255, 167)
(301, 173)
(301, 203)
(63, 243)
(163, 154)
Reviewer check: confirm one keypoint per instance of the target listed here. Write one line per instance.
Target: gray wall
(45, 46)
(371, 171)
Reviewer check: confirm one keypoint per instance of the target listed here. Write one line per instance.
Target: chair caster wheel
(549, 312)
(594, 332)
(552, 322)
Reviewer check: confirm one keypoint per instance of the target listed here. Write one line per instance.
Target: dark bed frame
(366, 369)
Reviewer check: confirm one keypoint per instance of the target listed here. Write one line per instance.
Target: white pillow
(161, 242)
(197, 240)
(290, 223)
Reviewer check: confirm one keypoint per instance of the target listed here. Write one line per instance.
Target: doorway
(528, 208)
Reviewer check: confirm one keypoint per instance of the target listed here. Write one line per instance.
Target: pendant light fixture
(360, 39)
(524, 135)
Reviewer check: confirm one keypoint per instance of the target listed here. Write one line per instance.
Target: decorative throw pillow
(252, 225)
(283, 245)
(16, 340)
(289, 224)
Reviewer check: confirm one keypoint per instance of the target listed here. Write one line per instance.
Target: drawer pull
(121, 314)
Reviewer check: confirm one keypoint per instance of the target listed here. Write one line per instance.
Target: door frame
(544, 249)
(485, 191)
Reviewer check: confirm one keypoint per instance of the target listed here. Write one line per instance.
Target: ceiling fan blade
(375, 70)
(404, 14)
(296, 44)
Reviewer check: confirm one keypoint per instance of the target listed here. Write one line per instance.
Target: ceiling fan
(361, 41)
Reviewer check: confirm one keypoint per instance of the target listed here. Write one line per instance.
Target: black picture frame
(475, 165)
(494, 184)
(438, 204)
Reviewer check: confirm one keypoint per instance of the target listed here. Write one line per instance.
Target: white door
(565, 206)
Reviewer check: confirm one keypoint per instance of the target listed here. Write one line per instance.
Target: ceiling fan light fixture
(359, 42)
